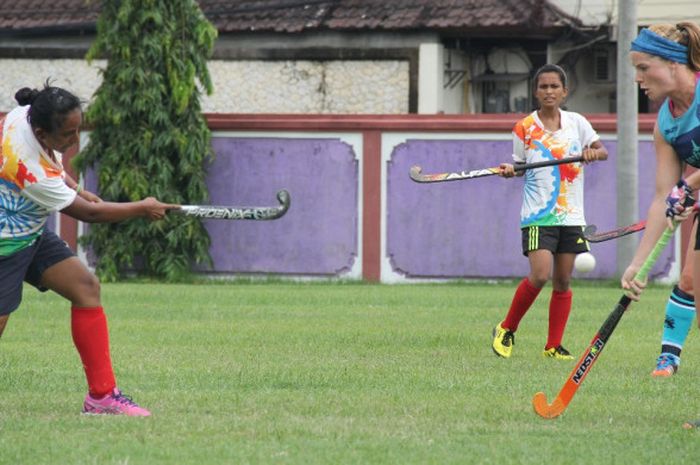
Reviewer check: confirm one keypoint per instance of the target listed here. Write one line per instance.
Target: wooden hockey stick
(590, 356)
(210, 212)
(417, 176)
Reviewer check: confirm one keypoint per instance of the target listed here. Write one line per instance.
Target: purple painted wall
(463, 229)
(471, 228)
(319, 233)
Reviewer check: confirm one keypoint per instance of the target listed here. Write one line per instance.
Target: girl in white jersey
(33, 184)
(667, 61)
(551, 217)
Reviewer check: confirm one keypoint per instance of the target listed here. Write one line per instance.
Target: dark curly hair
(48, 106)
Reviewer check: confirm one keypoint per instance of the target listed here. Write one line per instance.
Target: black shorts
(28, 265)
(556, 239)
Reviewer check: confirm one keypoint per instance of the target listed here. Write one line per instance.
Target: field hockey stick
(210, 212)
(589, 357)
(417, 176)
(590, 234)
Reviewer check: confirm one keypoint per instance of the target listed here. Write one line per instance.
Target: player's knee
(561, 285)
(538, 279)
(90, 286)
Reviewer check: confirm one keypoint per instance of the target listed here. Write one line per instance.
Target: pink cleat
(115, 403)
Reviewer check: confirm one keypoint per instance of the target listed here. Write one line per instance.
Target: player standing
(33, 184)
(667, 62)
(551, 217)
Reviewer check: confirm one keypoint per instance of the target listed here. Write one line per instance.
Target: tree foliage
(149, 137)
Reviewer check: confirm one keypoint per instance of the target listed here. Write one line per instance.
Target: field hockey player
(33, 184)
(551, 219)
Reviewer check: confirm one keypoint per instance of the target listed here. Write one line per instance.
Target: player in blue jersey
(667, 62)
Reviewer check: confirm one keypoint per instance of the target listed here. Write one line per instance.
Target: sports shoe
(666, 366)
(115, 403)
(558, 352)
(691, 424)
(503, 341)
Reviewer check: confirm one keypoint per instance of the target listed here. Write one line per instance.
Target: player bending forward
(33, 184)
(666, 58)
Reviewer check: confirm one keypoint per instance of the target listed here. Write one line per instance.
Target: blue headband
(653, 44)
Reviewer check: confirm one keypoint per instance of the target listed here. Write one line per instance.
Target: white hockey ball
(584, 263)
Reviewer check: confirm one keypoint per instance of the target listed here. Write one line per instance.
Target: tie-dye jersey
(552, 196)
(31, 183)
(683, 133)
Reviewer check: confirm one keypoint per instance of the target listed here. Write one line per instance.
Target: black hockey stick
(210, 212)
(590, 356)
(592, 236)
(417, 175)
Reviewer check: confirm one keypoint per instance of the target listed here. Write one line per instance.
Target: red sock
(524, 296)
(559, 309)
(91, 338)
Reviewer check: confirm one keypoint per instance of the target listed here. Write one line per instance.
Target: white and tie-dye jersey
(31, 183)
(553, 195)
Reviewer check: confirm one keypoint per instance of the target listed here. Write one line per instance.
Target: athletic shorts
(556, 239)
(697, 232)
(28, 265)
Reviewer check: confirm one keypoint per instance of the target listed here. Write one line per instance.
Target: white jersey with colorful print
(31, 183)
(553, 195)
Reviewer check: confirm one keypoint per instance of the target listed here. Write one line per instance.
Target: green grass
(342, 373)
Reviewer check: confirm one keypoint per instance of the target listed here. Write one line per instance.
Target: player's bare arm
(109, 212)
(668, 172)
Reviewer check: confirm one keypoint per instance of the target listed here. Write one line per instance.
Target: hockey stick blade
(591, 235)
(543, 409)
(416, 172)
(211, 212)
(597, 344)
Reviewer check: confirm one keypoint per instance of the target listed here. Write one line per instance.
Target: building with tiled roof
(475, 16)
(529, 17)
(427, 56)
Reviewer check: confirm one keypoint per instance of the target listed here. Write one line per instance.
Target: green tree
(149, 137)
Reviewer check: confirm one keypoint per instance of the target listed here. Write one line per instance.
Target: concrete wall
(356, 214)
(320, 233)
(358, 86)
(593, 12)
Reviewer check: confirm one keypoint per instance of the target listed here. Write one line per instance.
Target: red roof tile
(300, 15)
(22, 15)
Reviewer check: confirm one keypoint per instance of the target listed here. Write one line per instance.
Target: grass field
(335, 373)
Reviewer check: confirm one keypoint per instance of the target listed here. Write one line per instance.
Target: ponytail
(691, 32)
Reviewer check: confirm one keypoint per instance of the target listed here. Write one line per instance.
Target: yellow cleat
(558, 353)
(503, 341)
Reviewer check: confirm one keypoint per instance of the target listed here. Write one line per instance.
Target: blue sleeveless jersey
(683, 133)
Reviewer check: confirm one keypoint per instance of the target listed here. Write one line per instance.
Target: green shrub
(148, 135)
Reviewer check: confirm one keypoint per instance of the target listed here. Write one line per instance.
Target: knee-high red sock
(559, 309)
(524, 296)
(91, 338)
